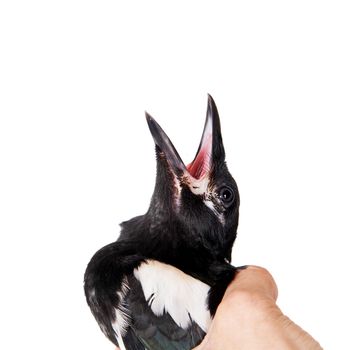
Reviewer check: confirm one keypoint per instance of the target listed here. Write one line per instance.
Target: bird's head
(201, 199)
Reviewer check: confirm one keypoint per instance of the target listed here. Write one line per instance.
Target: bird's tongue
(202, 163)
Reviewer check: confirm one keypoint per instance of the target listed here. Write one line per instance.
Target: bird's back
(167, 308)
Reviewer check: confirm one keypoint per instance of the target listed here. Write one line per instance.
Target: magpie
(158, 286)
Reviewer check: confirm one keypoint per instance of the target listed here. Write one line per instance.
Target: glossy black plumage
(185, 228)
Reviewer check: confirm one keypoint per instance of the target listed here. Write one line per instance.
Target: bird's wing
(156, 332)
(145, 304)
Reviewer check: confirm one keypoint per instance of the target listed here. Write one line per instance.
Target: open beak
(210, 150)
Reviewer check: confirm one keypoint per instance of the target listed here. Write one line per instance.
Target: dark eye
(227, 196)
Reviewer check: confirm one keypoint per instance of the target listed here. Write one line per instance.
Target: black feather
(179, 229)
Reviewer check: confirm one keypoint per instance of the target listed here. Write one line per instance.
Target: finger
(254, 279)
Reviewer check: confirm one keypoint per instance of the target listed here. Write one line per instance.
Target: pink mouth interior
(201, 164)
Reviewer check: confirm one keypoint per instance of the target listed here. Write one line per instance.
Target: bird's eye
(227, 196)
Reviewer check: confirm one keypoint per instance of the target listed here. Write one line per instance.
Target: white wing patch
(122, 319)
(170, 290)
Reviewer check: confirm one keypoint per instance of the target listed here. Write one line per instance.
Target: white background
(77, 157)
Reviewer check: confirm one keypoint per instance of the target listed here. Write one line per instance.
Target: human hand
(249, 319)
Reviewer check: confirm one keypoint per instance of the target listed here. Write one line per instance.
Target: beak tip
(152, 124)
(153, 127)
(211, 103)
(148, 117)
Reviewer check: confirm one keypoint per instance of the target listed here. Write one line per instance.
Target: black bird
(158, 286)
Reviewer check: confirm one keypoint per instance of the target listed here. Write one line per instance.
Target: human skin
(248, 318)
